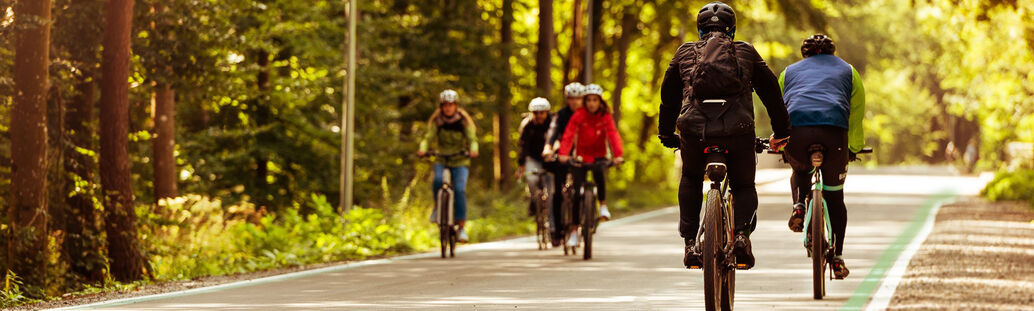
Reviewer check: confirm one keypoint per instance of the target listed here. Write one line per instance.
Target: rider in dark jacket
(573, 93)
(734, 131)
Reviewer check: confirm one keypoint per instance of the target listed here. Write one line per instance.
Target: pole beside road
(348, 115)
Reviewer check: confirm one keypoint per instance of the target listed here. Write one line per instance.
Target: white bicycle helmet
(593, 89)
(538, 104)
(574, 89)
(448, 96)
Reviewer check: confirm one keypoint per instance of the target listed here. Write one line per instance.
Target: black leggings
(559, 179)
(580, 174)
(741, 162)
(834, 172)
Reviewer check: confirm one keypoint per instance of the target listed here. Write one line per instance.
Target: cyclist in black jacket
(734, 130)
(530, 144)
(573, 93)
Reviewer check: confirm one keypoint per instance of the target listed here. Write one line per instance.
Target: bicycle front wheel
(818, 247)
(713, 251)
(542, 222)
(588, 218)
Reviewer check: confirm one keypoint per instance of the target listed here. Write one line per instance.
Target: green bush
(1011, 186)
(192, 236)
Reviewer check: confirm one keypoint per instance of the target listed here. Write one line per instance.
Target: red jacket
(592, 131)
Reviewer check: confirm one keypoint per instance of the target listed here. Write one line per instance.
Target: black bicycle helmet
(716, 16)
(817, 44)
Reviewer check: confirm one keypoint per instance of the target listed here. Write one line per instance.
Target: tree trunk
(82, 243)
(164, 143)
(573, 63)
(597, 35)
(543, 61)
(260, 191)
(629, 30)
(503, 115)
(120, 217)
(27, 251)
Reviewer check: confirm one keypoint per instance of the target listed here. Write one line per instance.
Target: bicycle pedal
(741, 266)
(694, 267)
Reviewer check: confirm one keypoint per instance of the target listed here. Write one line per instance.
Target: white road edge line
(885, 293)
(293, 275)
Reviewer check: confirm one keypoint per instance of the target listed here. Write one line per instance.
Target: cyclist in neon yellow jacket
(826, 101)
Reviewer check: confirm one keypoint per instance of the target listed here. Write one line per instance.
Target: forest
(145, 141)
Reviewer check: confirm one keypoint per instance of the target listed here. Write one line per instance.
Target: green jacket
(450, 141)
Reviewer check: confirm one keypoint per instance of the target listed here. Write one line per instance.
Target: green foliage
(192, 236)
(1011, 186)
(12, 295)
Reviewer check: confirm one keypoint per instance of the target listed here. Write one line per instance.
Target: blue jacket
(825, 90)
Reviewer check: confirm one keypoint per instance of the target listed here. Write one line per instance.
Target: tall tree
(573, 62)
(543, 59)
(79, 51)
(163, 111)
(82, 238)
(120, 218)
(502, 127)
(629, 31)
(27, 251)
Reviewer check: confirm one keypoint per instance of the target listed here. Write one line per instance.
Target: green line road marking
(865, 290)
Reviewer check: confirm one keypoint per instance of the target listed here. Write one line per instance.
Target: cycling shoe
(743, 252)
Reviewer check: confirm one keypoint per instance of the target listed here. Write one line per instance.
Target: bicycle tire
(713, 251)
(452, 241)
(443, 220)
(729, 290)
(588, 218)
(542, 222)
(818, 249)
(443, 239)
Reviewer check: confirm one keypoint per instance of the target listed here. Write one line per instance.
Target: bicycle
(715, 239)
(816, 220)
(541, 198)
(586, 197)
(446, 221)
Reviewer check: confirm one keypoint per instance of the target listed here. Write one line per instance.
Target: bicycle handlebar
(577, 162)
(463, 153)
(762, 145)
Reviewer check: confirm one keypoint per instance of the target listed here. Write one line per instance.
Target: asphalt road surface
(636, 265)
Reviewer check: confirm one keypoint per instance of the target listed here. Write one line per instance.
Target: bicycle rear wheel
(588, 218)
(713, 251)
(818, 247)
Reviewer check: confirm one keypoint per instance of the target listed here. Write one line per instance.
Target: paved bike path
(636, 265)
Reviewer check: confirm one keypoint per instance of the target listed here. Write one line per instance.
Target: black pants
(580, 174)
(834, 172)
(559, 179)
(741, 163)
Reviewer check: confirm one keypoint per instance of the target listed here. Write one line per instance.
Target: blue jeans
(459, 187)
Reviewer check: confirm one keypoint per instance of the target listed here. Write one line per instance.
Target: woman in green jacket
(452, 130)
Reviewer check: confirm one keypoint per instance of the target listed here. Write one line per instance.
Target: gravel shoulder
(979, 256)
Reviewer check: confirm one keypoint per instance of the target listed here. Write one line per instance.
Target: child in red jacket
(591, 129)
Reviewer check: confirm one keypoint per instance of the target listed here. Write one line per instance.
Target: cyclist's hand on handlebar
(618, 161)
(777, 144)
(669, 140)
(851, 156)
(564, 158)
(547, 153)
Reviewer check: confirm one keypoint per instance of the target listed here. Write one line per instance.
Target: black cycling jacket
(754, 68)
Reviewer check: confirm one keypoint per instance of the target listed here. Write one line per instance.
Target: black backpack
(714, 84)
